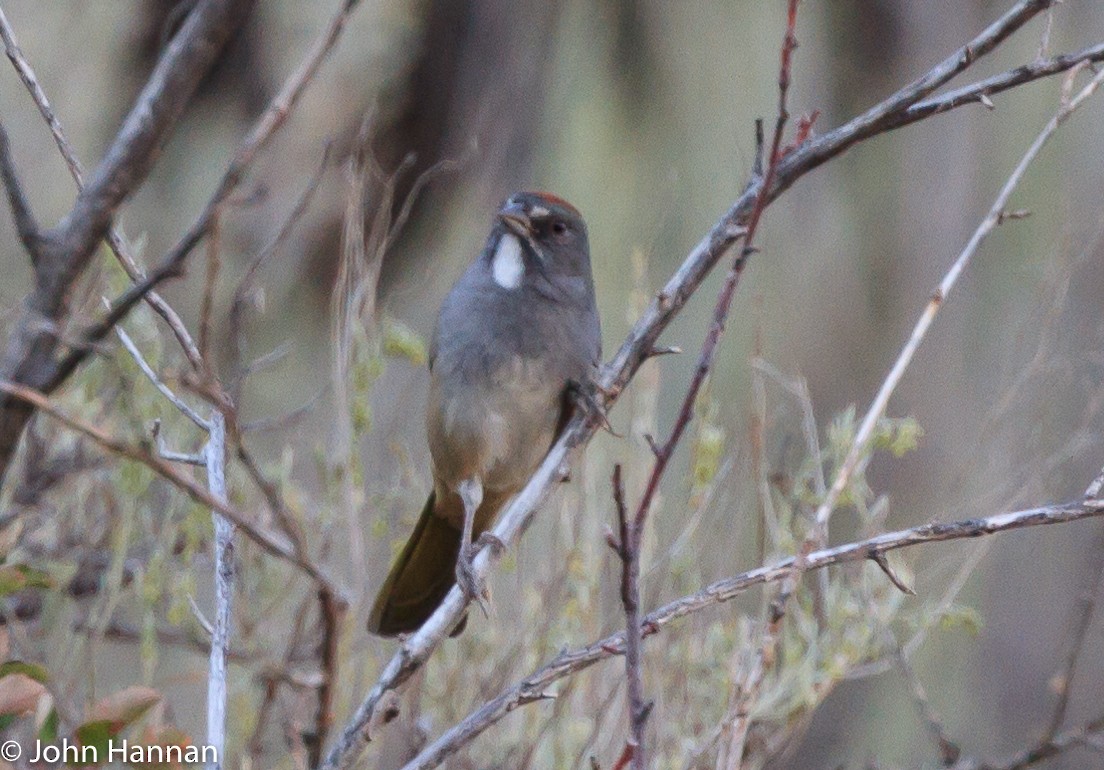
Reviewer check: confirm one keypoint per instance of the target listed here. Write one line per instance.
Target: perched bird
(516, 340)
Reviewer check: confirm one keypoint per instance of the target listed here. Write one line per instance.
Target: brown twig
(949, 751)
(1089, 734)
(207, 302)
(331, 611)
(628, 550)
(1086, 609)
(572, 661)
(748, 690)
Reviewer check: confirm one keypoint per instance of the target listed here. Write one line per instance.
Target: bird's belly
(495, 426)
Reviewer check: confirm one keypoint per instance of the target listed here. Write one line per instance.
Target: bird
(515, 350)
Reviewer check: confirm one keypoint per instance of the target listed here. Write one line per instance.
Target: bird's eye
(559, 227)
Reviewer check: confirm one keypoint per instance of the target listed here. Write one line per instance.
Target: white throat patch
(507, 266)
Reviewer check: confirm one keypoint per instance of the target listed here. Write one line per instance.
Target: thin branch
(24, 218)
(570, 662)
(27, 75)
(66, 251)
(981, 91)
(207, 303)
(949, 751)
(225, 570)
(1086, 609)
(628, 550)
(158, 383)
(331, 611)
(858, 454)
(1090, 734)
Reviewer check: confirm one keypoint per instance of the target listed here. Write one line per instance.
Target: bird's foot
(589, 398)
(474, 586)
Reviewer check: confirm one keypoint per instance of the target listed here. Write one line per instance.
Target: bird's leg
(474, 588)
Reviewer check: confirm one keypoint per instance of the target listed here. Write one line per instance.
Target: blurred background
(641, 114)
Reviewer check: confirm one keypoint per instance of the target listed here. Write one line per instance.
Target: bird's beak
(516, 220)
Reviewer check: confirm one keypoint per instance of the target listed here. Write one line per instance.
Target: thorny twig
(627, 548)
(632, 536)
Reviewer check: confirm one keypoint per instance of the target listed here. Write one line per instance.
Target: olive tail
(420, 577)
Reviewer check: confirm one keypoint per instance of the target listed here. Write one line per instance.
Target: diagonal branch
(25, 223)
(981, 91)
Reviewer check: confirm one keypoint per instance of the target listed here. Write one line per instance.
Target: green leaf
(48, 733)
(97, 733)
(16, 577)
(32, 670)
(961, 616)
(401, 341)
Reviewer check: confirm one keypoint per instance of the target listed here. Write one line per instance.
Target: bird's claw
(474, 586)
(589, 397)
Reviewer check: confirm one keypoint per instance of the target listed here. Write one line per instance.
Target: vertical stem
(215, 452)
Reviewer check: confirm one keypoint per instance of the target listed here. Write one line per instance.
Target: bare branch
(158, 383)
(25, 223)
(172, 264)
(27, 75)
(628, 549)
(1086, 609)
(215, 452)
(116, 239)
(983, 89)
(1090, 734)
